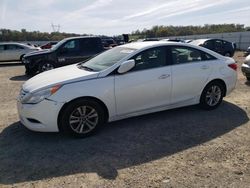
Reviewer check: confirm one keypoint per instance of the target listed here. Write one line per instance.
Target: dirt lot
(185, 147)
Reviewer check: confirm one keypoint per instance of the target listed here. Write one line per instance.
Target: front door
(69, 53)
(147, 85)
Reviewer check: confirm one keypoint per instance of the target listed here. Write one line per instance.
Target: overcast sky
(113, 17)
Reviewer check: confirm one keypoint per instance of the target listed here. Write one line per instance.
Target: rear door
(190, 71)
(219, 47)
(13, 52)
(2, 52)
(89, 47)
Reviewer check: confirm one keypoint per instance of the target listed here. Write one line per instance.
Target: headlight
(34, 98)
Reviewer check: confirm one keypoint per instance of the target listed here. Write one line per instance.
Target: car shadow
(20, 78)
(10, 64)
(29, 156)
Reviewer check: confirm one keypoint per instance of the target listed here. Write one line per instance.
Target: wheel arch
(104, 106)
(228, 52)
(21, 57)
(218, 80)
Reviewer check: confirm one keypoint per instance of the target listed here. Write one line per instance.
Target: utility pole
(56, 28)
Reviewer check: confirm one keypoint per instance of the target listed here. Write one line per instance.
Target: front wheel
(81, 118)
(45, 67)
(212, 96)
(227, 54)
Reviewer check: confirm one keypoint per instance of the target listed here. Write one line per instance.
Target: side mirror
(126, 66)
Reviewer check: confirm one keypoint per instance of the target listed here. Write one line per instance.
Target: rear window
(182, 54)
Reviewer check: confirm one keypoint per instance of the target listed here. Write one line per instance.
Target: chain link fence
(242, 39)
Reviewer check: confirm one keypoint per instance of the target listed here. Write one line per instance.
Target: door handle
(204, 67)
(164, 76)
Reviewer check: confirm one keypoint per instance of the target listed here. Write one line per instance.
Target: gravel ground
(185, 147)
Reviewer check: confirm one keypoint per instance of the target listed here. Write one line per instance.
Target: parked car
(48, 45)
(125, 81)
(65, 52)
(13, 51)
(247, 52)
(220, 46)
(149, 39)
(245, 68)
(174, 40)
(109, 42)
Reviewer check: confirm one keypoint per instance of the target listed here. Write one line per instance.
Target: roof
(140, 45)
(80, 37)
(145, 45)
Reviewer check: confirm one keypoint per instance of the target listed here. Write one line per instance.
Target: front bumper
(41, 117)
(245, 68)
(30, 66)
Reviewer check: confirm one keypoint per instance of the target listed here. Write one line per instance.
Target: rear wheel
(227, 54)
(21, 58)
(82, 118)
(212, 96)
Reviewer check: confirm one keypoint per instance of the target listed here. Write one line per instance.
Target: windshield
(55, 47)
(107, 58)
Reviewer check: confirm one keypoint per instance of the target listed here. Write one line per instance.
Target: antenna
(55, 28)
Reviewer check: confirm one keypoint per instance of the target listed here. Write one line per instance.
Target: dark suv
(220, 46)
(66, 52)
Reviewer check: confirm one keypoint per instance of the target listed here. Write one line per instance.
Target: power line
(55, 28)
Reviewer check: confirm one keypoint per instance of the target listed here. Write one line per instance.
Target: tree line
(23, 35)
(155, 31)
(167, 31)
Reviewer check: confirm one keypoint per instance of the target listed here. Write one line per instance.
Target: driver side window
(151, 58)
(71, 47)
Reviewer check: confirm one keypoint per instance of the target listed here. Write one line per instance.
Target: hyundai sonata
(129, 80)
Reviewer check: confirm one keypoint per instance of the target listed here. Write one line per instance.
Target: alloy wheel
(83, 119)
(46, 67)
(213, 95)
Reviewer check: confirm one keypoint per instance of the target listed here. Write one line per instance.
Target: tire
(29, 73)
(21, 57)
(81, 118)
(45, 67)
(212, 95)
(227, 54)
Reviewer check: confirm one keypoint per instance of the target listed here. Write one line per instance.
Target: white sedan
(129, 80)
(13, 51)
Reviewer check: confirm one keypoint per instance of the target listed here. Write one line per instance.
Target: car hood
(40, 52)
(61, 75)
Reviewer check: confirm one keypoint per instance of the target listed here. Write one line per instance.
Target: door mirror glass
(126, 66)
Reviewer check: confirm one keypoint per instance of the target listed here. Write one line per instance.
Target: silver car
(13, 51)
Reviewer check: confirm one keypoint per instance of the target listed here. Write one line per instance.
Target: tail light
(233, 66)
